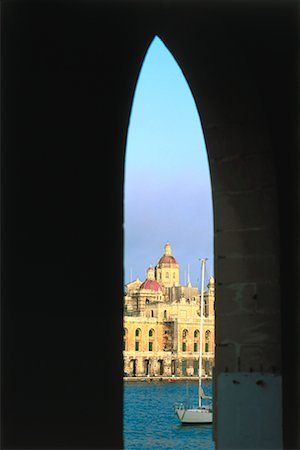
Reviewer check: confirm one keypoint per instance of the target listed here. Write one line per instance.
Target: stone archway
(147, 366)
(133, 367)
(75, 87)
(161, 366)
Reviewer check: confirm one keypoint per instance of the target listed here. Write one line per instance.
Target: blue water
(150, 421)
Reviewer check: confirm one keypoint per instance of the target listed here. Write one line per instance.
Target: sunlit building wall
(162, 323)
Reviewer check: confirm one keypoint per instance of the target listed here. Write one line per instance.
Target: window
(205, 308)
(137, 346)
(207, 338)
(184, 339)
(150, 332)
(137, 332)
(195, 333)
(152, 313)
(165, 314)
(147, 301)
(150, 346)
(195, 346)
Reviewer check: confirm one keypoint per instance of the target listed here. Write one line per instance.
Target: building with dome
(162, 321)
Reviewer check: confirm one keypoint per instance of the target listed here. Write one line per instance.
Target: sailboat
(200, 414)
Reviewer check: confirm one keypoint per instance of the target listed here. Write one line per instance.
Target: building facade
(162, 323)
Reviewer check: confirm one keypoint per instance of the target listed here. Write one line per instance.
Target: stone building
(162, 323)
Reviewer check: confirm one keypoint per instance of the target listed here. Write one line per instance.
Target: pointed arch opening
(168, 220)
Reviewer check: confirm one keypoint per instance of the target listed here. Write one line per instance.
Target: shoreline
(163, 379)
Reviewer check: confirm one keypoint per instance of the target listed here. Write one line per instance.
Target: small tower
(150, 273)
(167, 269)
(211, 296)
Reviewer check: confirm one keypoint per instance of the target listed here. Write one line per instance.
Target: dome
(167, 259)
(151, 285)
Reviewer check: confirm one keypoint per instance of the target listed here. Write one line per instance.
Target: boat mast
(201, 326)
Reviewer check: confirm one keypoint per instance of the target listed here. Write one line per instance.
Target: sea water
(150, 421)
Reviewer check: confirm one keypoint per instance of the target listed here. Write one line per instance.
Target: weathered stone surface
(259, 241)
(232, 174)
(225, 142)
(249, 298)
(268, 297)
(249, 411)
(235, 299)
(245, 209)
(226, 356)
(260, 358)
(260, 329)
(247, 269)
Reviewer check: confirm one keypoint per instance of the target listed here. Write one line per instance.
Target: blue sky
(167, 181)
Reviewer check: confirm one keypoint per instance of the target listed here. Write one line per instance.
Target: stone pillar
(167, 366)
(248, 323)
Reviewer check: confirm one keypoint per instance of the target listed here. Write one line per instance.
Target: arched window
(150, 343)
(137, 339)
(205, 312)
(147, 301)
(184, 340)
(196, 338)
(207, 341)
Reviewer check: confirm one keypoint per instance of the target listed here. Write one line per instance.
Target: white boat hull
(200, 415)
(194, 415)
